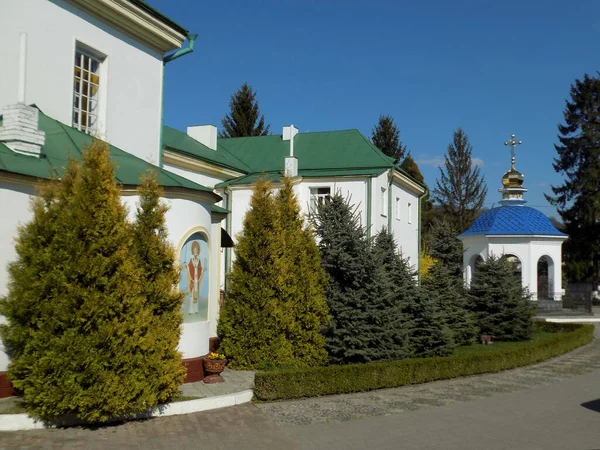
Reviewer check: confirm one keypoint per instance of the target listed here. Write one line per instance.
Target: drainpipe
(228, 202)
(369, 184)
(167, 59)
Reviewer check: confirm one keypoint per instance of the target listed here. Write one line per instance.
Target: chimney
(291, 162)
(19, 130)
(205, 134)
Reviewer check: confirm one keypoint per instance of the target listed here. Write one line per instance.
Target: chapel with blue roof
(520, 233)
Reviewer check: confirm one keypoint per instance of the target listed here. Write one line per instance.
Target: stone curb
(573, 319)
(22, 422)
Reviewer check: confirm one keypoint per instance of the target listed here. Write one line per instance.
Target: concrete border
(22, 422)
(572, 319)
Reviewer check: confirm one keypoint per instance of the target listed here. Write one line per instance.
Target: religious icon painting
(193, 258)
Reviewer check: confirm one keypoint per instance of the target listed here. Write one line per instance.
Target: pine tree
(77, 321)
(461, 189)
(445, 247)
(386, 137)
(447, 292)
(578, 198)
(244, 118)
(301, 281)
(155, 257)
(500, 306)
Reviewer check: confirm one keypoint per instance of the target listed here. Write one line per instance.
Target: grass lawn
(474, 349)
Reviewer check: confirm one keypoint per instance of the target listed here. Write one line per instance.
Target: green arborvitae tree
(156, 258)
(445, 247)
(386, 137)
(302, 280)
(461, 189)
(501, 307)
(77, 320)
(244, 118)
(447, 292)
(578, 198)
(253, 322)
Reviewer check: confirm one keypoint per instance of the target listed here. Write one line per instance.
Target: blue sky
(491, 68)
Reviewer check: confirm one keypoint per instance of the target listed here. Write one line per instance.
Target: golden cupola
(512, 181)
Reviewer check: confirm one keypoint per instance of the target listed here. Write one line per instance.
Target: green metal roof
(179, 141)
(347, 149)
(158, 15)
(218, 209)
(64, 142)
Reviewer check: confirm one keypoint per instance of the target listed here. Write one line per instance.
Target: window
(398, 209)
(86, 87)
(318, 194)
(409, 207)
(383, 208)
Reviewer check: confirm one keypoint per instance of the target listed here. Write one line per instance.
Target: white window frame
(383, 205)
(398, 209)
(315, 196)
(409, 207)
(88, 106)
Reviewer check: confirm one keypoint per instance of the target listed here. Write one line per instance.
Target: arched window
(545, 282)
(472, 267)
(518, 268)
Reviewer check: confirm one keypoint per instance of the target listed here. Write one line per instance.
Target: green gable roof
(180, 142)
(64, 142)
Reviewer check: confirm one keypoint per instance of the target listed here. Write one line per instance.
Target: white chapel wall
(131, 75)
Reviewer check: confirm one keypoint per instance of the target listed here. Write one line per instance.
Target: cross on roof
(512, 143)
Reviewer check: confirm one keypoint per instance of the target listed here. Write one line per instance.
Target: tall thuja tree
(500, 305)
(578, 198)
(254, 322)
(398, 288)
(77, 319)
(352, 335)
(302, 280)
(386, 137)
(461, 189)
(155, 258)
(244, 118)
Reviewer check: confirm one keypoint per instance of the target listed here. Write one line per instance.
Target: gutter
(167, 59)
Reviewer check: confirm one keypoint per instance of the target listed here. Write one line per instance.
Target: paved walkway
(553, 405)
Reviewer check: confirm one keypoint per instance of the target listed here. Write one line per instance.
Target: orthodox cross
(512, 143)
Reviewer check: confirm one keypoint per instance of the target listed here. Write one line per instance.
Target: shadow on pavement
(594, 405)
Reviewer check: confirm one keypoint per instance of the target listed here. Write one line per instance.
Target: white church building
(98, 70)
(520, 233)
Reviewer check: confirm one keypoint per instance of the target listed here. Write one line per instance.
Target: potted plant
(214, 364)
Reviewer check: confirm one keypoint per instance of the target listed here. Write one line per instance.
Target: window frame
(313, 199)
(84, 102)
(384, 203)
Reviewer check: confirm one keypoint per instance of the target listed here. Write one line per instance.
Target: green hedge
(343, 379)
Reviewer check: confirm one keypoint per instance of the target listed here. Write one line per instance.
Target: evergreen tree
(578, 198)
(353, 290)
(461, 189)
(244, 118)
(447, 292)
(445, 247)
(77, 320)
(499, 303)
(386, 137)
(155, 258)
(302, 280)
(409, 165)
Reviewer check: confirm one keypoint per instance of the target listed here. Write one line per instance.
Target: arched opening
(516, 262)
(545, 282)
(472, 267)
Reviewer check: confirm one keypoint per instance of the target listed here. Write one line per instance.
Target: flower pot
(213, 369)
(486, 339)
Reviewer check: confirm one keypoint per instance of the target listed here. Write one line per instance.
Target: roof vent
(205, 134)
(19, 130)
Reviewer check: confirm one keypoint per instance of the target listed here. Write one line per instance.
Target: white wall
(200, 178)
(405, 221)
(132, 83)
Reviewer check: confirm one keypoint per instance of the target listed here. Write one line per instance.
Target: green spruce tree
(77, 320)
(301, 281)
(578, 198)
(499, 303)
(156, 258)
(244, 118)
(445, 247)
(386, 137)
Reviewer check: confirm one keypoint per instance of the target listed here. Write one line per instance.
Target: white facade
(130, 74)
(528, 250)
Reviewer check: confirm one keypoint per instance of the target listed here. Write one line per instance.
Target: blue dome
(513, 220)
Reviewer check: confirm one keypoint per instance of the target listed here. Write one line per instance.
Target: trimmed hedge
(343, 379)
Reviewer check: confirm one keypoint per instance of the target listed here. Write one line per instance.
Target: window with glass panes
(85, 91)
(318, 194)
